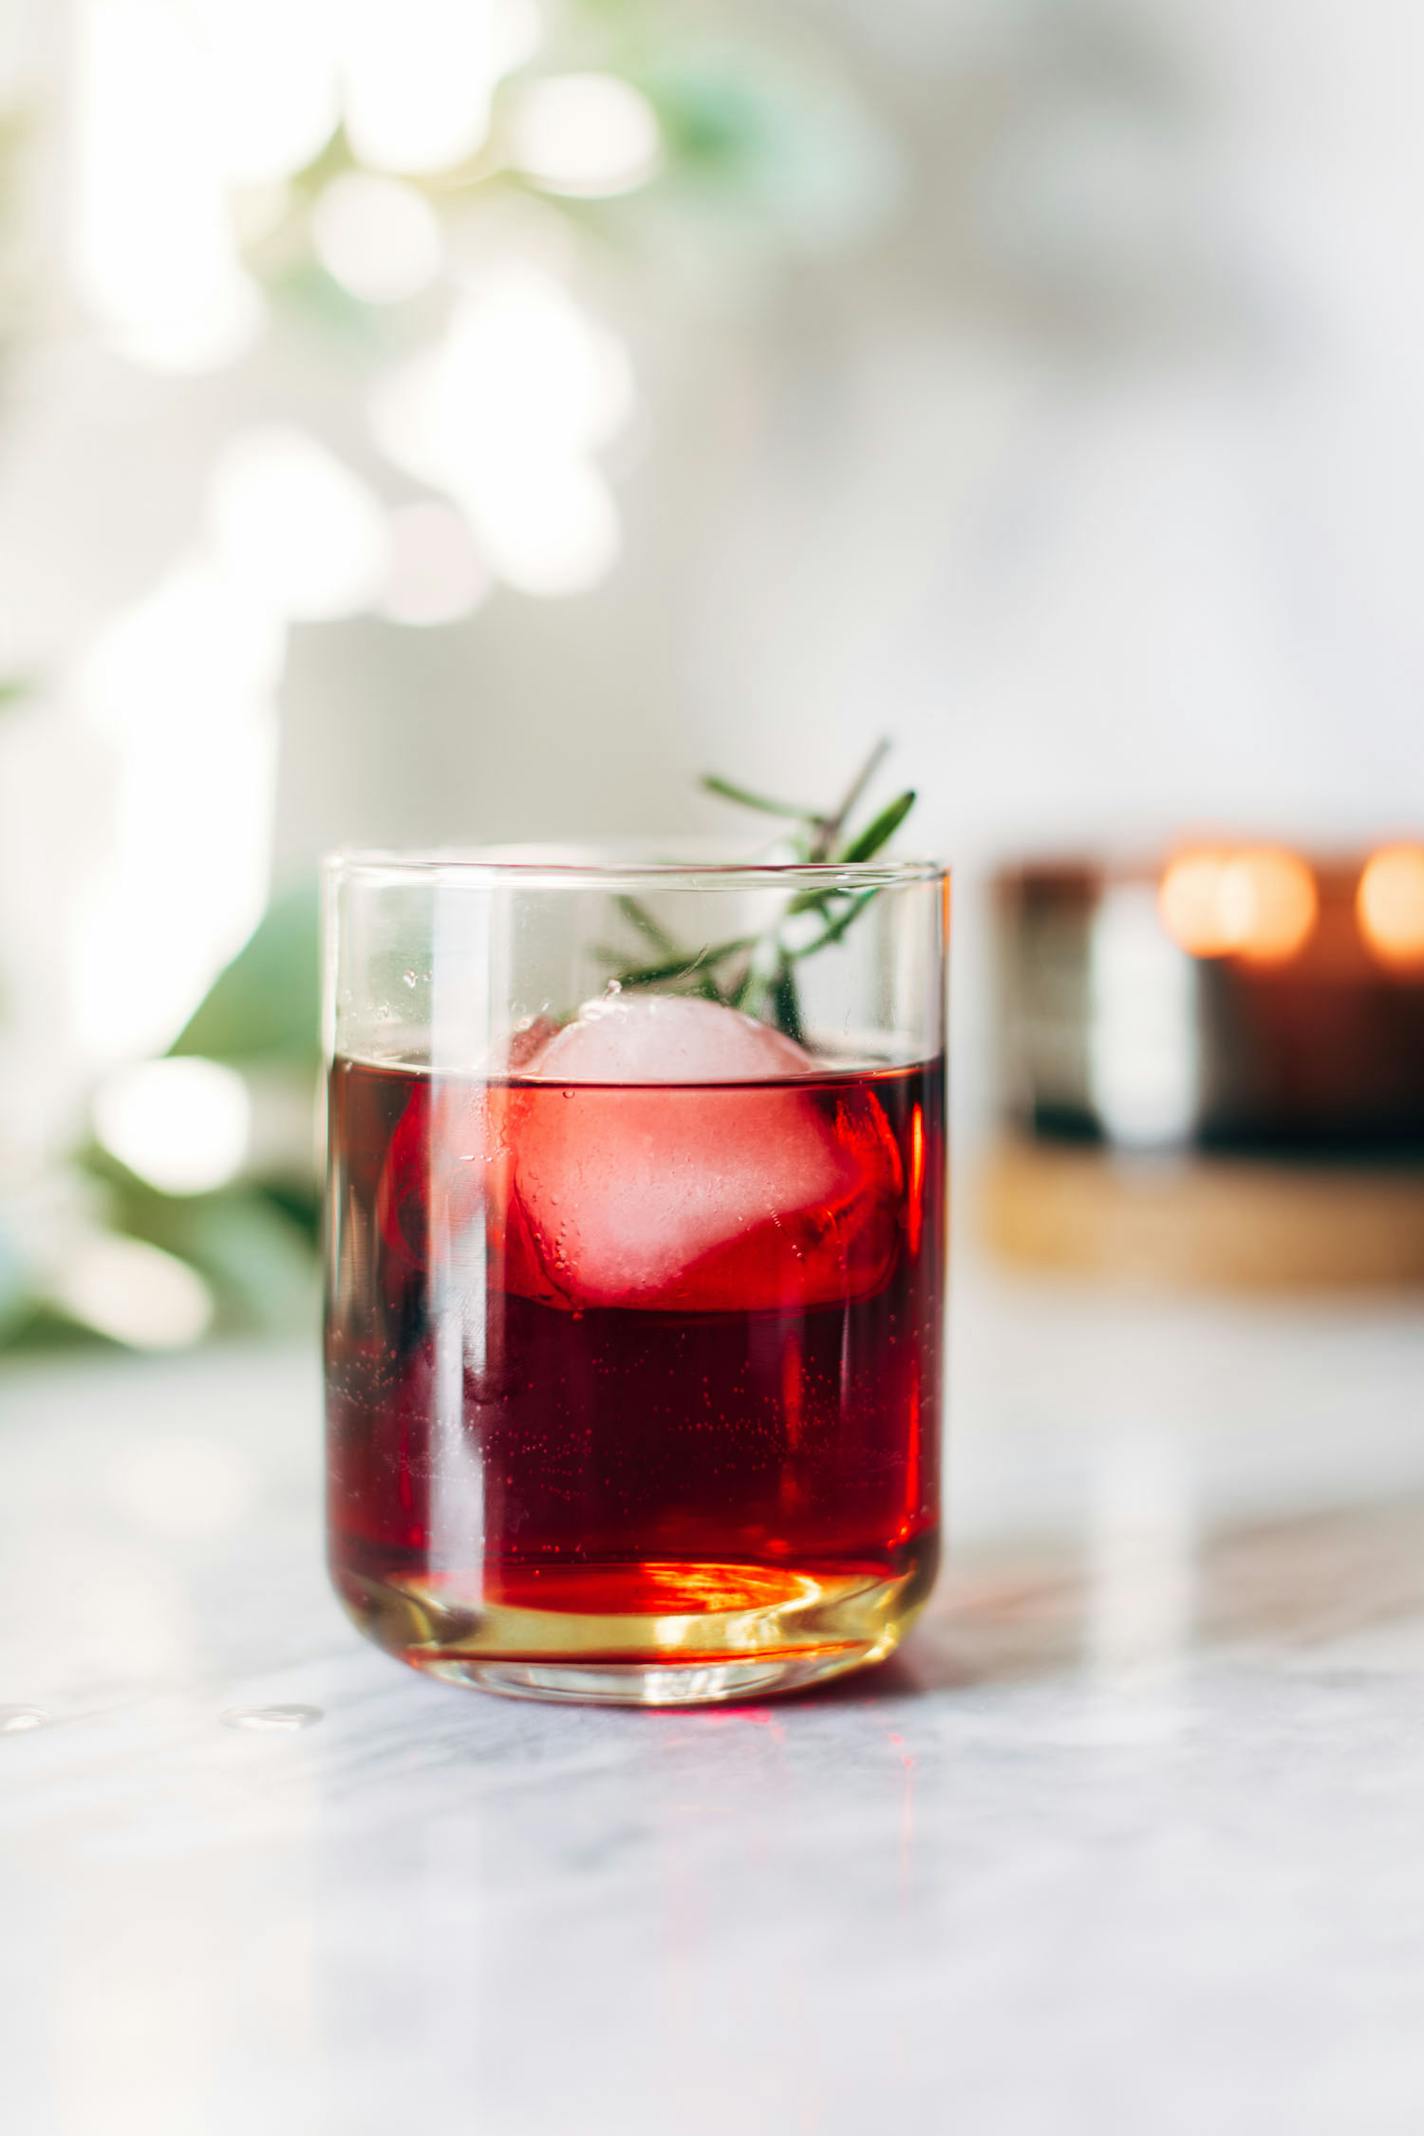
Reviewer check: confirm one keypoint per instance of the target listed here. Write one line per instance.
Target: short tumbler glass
(635, 1266)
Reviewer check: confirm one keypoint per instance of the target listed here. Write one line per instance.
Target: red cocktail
(603, 1356)
(634, 1348)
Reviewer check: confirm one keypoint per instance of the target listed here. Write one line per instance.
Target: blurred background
(470, 419)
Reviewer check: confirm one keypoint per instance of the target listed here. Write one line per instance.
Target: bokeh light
(176, 699)
(155, 256)
(379, 238)
(436, 572)
(1258, 903)
(1189, 903)
(182, 1125)
(295, 526)
(588, 135)
(134, 1293)
(1390, 905)
(420, 76)
(271, 68)
(548, 524)
(504, 416)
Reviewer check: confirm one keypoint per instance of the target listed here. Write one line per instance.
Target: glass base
(662, 1635)
(649, 1684)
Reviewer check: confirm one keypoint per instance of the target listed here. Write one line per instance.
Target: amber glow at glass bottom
(646, 1634)
(688, 1501)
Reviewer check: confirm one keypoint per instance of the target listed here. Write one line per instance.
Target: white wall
(1096, 478)
(1093, 473)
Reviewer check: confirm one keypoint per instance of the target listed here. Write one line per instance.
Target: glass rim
(540, 867)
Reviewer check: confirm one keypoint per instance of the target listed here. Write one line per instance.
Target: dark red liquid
(615, 1349)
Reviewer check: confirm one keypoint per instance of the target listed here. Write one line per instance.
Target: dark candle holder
(1234, 1033)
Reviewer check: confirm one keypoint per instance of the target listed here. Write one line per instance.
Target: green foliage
(757, 972)
(253, 1241)
(639, 917)
(881, 831)
(254, 1252)
(14, 1290)
(727, 790)
(720, 116)
(776, 156)
(264, 1005)
(785, 1002)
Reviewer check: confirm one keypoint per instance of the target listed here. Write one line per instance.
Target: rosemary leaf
(656, 974)
(762, 979)
(638, 916)
(837, 927)
(785, 1005)
(881, 831)
(813, 901)
(763, 803)
(684, 966)
(830, 827)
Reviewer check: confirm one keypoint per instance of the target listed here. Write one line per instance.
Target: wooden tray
(1228, 1223)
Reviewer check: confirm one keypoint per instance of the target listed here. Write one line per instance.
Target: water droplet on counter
(272, 1720)
(22, 1720)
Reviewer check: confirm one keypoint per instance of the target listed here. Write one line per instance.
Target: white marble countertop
(1127, 1840)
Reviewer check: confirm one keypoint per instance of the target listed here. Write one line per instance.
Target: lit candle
(1232, 996)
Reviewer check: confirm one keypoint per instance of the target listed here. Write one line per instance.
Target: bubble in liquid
(272, 1720)
(22, 1720)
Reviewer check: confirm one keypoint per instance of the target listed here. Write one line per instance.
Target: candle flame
(1258, 903)
(1389, 905)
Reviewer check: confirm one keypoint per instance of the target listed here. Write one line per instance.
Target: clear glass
(635, 1282)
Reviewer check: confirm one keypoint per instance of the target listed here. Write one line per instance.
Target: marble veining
(1125, 1842)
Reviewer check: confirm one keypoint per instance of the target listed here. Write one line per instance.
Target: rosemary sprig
(823, 846)
(686, 964)
(864, 847)
(757, 973)
(833, 931)
(881, 831)
(639, 916)
(725, 790)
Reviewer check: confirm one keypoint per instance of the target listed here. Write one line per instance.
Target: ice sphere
(667, 1038)
(444, 1202)
(671, 1154)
